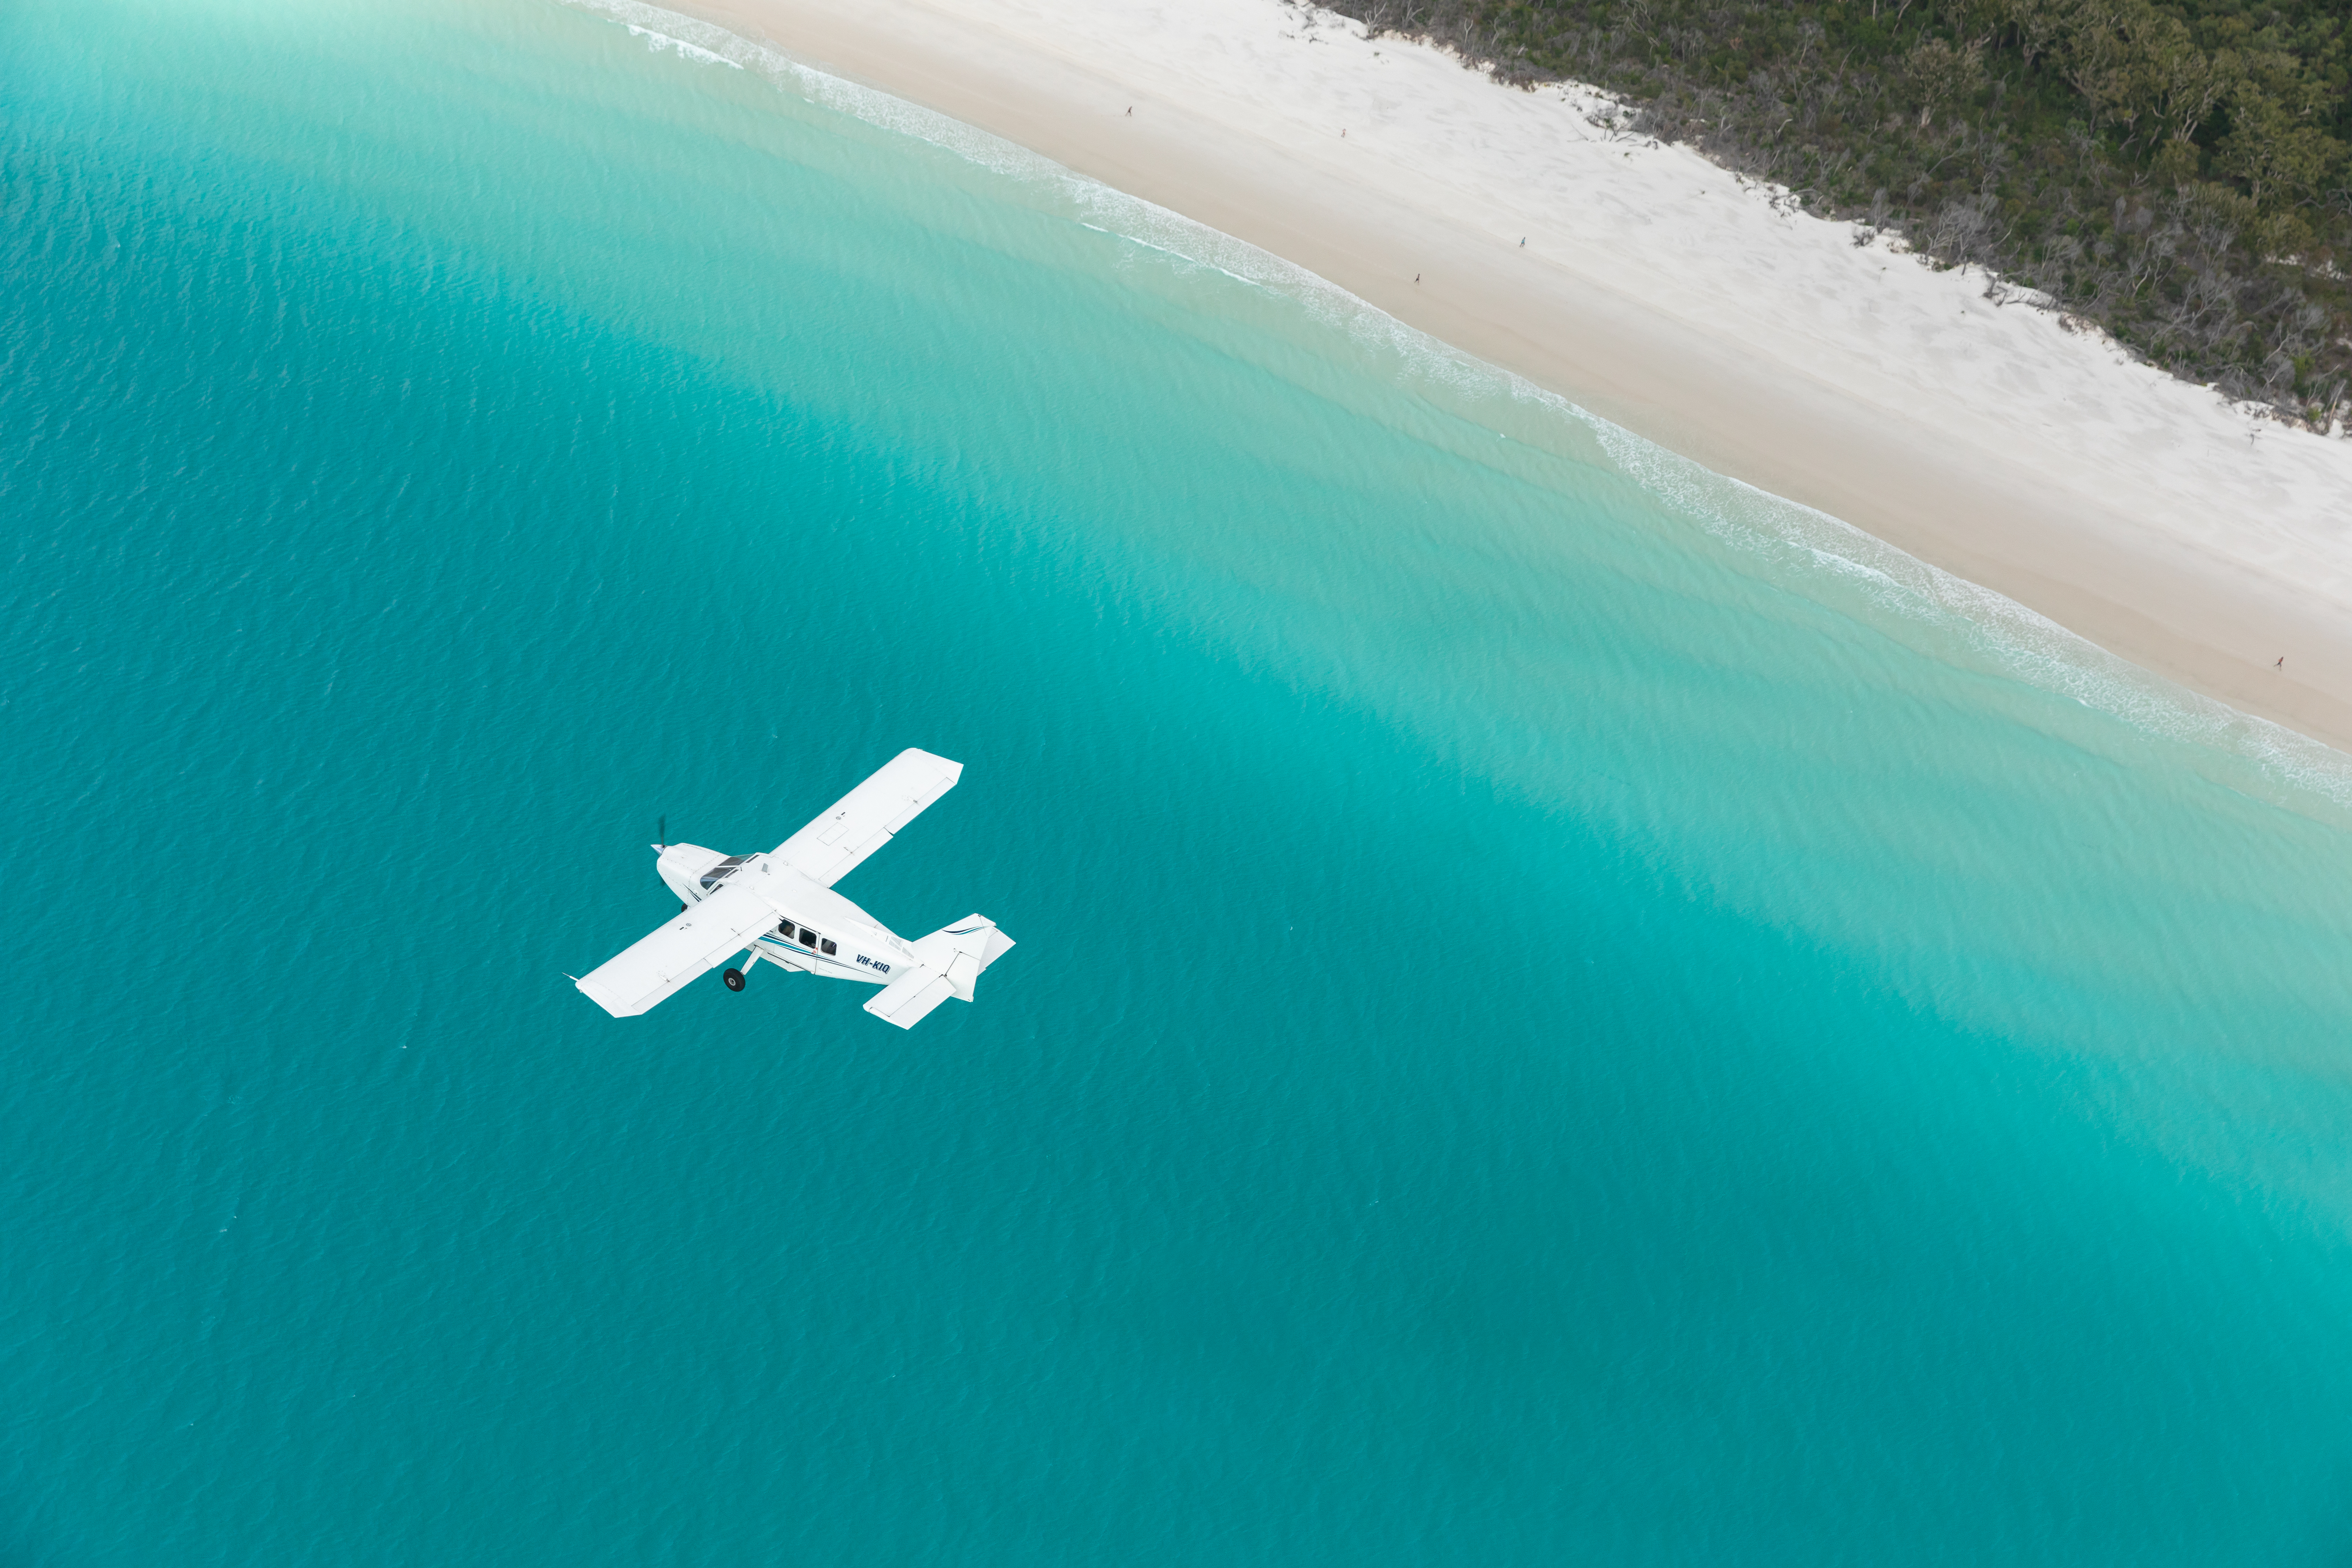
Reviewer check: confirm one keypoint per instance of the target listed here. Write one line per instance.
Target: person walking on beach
(2281, 663)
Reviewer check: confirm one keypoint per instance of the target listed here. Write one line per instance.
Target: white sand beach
(1664, 294)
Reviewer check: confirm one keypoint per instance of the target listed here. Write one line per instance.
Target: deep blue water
(1554, 1021)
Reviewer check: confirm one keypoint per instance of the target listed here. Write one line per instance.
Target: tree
(2040, 23)
(2180, 83)
(1940, 73)
(2275, 155)
(2094, 58)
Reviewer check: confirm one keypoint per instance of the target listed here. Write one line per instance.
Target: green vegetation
(2178, 172)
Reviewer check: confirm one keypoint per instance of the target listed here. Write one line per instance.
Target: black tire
(734, 978)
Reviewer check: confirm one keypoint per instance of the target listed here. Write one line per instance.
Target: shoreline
(1670, 298)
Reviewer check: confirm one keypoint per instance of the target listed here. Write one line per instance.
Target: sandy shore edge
(1664, 295)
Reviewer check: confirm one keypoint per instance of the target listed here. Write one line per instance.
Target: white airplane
(782, 907)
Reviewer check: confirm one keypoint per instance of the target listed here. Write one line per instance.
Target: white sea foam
(658, 41)
(2019, 641)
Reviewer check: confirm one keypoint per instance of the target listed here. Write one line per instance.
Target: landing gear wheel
(734, 978)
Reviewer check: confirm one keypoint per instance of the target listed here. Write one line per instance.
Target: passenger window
(828, 946)
(808, 937)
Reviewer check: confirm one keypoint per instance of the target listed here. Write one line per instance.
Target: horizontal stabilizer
(908, 1000)
(951, 960)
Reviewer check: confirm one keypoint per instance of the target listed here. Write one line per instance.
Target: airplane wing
(682, 950)
(862, 821)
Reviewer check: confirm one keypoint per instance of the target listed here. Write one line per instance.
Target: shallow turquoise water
(1554, 1021)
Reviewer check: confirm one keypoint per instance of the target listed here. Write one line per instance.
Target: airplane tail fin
(947, 964)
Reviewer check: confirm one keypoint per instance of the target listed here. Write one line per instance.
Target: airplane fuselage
(817, 931)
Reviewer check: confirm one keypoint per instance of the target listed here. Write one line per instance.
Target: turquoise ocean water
(1565, 1012)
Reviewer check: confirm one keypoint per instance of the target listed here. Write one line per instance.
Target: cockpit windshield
(721, 872)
